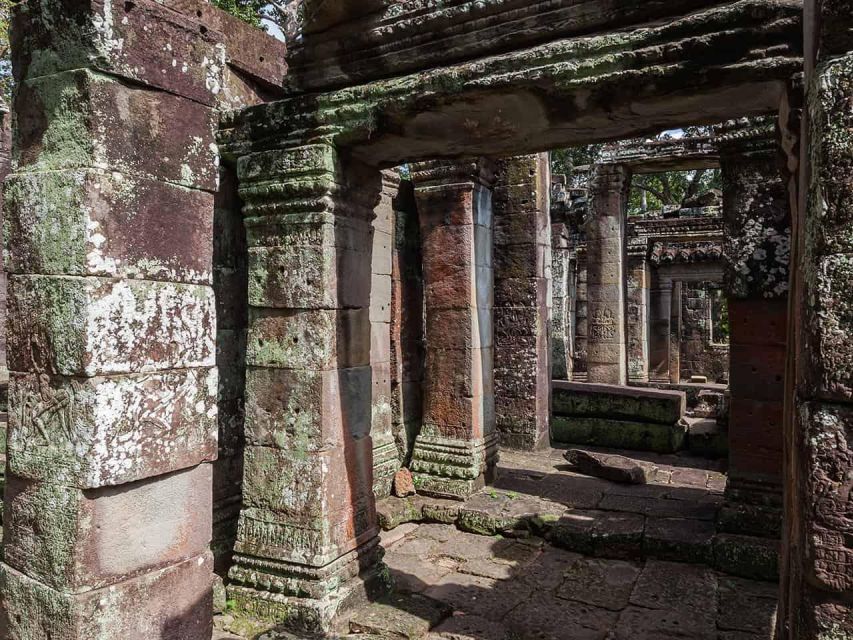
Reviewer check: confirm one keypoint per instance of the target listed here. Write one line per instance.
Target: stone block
(306, 509)
(116, 127)
(679, 540)
(617, 434)
(458, 328)
(520, 261)
(100, 432)
(98, 326)
(105, 223)
(380, 298)
(307, 410)
(521, 228)
(828, 432)
(380, 343)
(175, 602)
(383, 244)
(145, 42)
(615, 402)
(74, 541)
(310, 277)
(445, 205)
(747, 556)
(308, 339)
(828, 347)
(464, 372)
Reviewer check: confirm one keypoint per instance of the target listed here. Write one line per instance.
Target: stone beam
(110, 217)
(658, 155)
(522, 301)
(412, 37)
(456, 450)
(606, 274)
(555, 94)
(307, 545)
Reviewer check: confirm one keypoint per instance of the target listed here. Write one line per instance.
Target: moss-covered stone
(618, 434)
(747, 557)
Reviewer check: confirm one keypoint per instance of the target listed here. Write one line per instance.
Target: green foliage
(248, 10)
(6, 7)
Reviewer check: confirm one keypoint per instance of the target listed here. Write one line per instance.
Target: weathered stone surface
(97, 326)
(601, 583)
(83, 119)
(679, 540)
(634, 403)
(306, 410)
(308, 339)
(56, 35)
(617, 434)
(747, 556)
(610, 467)
(67, 539)
(109, 431)
(403, 484)
(175, 602)
(410, 616)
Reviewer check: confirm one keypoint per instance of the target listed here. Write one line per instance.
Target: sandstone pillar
(637, 315)
(385, 454)
(112, 325)
(456, 450)
(817, 581)
(562, 285)
(606, 273)
(307, 545)
(756, 250)
(522, 302)
(674, 341)
(407, 323)
(660, 310)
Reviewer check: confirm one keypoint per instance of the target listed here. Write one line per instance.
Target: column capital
(438, 173)
(609, 178)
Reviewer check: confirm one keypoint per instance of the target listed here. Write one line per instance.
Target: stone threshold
(621, 528)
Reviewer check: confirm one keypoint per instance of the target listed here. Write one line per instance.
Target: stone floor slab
(550, 618)
(408, 616)
(602, 583)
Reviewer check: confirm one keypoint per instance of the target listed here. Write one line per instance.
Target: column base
(302, 598)
(386, 463)
(447, 468)
(753, 506)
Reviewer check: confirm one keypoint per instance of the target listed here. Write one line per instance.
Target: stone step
(636, 404)
(618, 434)
(706, 438)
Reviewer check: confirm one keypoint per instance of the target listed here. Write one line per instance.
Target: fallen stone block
(403, 484)
(610, 467)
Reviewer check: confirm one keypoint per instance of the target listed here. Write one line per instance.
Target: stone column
(456, 451)
(756, 250)
(562, 327)
(307, 545)
(817, 581)
(112, 325)
(385, 454)
(637, 315)
(674, 341)
(660, 309)
(579, 364)
(407, 324)
(522, 302)
(606, 348)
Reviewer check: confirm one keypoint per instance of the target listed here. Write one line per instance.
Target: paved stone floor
(489, 573)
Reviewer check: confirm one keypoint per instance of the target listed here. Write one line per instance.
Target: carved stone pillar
(637, 314)
(113, 417)
(456, 450)
(562, 312)
(522, 302)
(756, 250)
(660, 310)
(606, 348)
(307, 545)
(386, 459)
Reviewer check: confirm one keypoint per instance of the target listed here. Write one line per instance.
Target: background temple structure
(309, 340)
